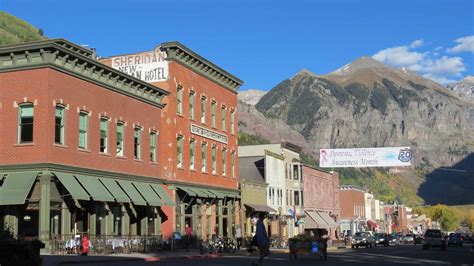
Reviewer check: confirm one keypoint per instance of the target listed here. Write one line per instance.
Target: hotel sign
(204, 132)
(365, 157)
(147, 66)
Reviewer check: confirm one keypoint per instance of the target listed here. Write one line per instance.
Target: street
(401, 255)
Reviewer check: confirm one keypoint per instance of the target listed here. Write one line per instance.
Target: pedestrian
(238, 237)
(85, 245)
(324, 245)
(188, 234)
(262, 240)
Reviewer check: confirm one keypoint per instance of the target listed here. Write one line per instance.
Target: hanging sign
(365, 157)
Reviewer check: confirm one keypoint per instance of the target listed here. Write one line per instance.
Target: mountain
(251, 96)
(368, 104)
(464, 88)
(14, 30)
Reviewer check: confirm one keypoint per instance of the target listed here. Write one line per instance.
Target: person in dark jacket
(263, 242)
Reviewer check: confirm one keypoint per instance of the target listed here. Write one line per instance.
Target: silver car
(362, 239)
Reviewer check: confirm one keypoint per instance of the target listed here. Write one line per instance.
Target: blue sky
(265, 42)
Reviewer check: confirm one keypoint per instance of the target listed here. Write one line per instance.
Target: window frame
(223, 118)
(105, 120)
(204, 157)
(191, 105)
(84, 131)
(232, 121)
(137, 143)
(121, 125)
(203, 109)
(21, 124)
(179, 100)
(224, 161)
(62, 125)
(153, 142)
(192, 154)
(179, 149)
(214, 159)
(232, 154)
(213, 114)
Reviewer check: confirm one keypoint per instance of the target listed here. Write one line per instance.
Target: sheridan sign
(365, 157)
(148, 66)
(204, 132)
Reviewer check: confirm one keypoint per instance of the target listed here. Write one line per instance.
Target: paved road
(402, 255)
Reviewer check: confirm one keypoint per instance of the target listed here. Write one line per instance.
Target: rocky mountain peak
(464, 88)
(251, 96)
(362, 63)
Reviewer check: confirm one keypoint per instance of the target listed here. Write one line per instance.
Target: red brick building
(322, 199)
(79, 149)
(198, 136)
(352, 208)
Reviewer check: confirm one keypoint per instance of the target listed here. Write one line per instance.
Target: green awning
(163, 195)
(212, 194)
(16, 187)
(132, 192)
(72, 186)
(115, 190)
(95, 188)
(204, 193)
(148, 193)
(190, 192)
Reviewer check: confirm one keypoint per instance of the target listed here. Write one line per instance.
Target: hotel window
(25, 123)
(179, 145)
(297, 197)
(302, 202)
(203, 110)
(83, 127)
(296, 171)
(59, 124)
(191, 154)
(179, 96)
(232, 121)
(213, 113)
(204, 156)
(287, 198)
(214, 162)
(120, 146)
(224, 162)
(223, 117)
(153, 146)
(137, 143)
(280, 197)
(232, 158)
(191, 105)
(104, 134)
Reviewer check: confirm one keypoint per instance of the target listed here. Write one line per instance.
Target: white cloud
(447, 66)
(398, 56)
(465, 44)
(416, 44)
(428, 64)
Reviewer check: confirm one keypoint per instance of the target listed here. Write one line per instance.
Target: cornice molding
(71, 59)
(178, 52)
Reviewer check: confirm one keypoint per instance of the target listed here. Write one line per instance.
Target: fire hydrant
(85, 245)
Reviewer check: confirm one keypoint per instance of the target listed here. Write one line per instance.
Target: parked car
(362, 239)
(409, 239)
(434, 238)
(418, 239)
(381, 239)
(455, 239)
(393, 240)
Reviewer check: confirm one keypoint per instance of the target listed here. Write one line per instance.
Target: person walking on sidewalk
(262, 239)
(238, 237)
(324, 245)
(188, 234)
